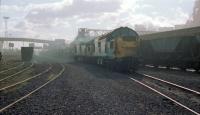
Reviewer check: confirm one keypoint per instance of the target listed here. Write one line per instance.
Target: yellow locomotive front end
(126, 47)
(120, 49)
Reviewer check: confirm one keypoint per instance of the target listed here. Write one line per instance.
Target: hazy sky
(50, 19)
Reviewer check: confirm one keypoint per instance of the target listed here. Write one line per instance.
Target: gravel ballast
(88, 89)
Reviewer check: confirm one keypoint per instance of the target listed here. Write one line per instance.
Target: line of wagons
(124, 50)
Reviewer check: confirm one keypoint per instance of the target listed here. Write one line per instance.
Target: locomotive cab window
(128, 38)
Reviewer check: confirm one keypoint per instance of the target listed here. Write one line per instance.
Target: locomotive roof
(175, 33)
(119, 32)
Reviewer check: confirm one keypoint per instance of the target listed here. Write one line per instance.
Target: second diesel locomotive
(116, 50)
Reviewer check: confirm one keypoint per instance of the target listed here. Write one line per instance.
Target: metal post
(1, 43)
(6, 25)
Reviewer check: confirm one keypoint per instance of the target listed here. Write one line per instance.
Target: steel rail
(17, 73)
(170, 83)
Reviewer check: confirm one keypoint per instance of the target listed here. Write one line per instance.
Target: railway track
(25, 80)
(187, 79)
(16, 73)
(170, 83)
(10, 67)
(156, 84)
(33, 84)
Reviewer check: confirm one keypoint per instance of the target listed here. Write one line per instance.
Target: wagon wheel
(155, 66)
(197, 66)
(183, 68)
(197, 69)
(167, 67)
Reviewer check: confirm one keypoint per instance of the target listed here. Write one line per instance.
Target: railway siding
(184, 97)
(187, 79)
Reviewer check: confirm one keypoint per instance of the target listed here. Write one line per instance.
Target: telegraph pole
(1, 43)
(6, 25)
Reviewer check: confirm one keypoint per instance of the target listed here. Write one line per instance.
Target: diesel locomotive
(116, 50)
